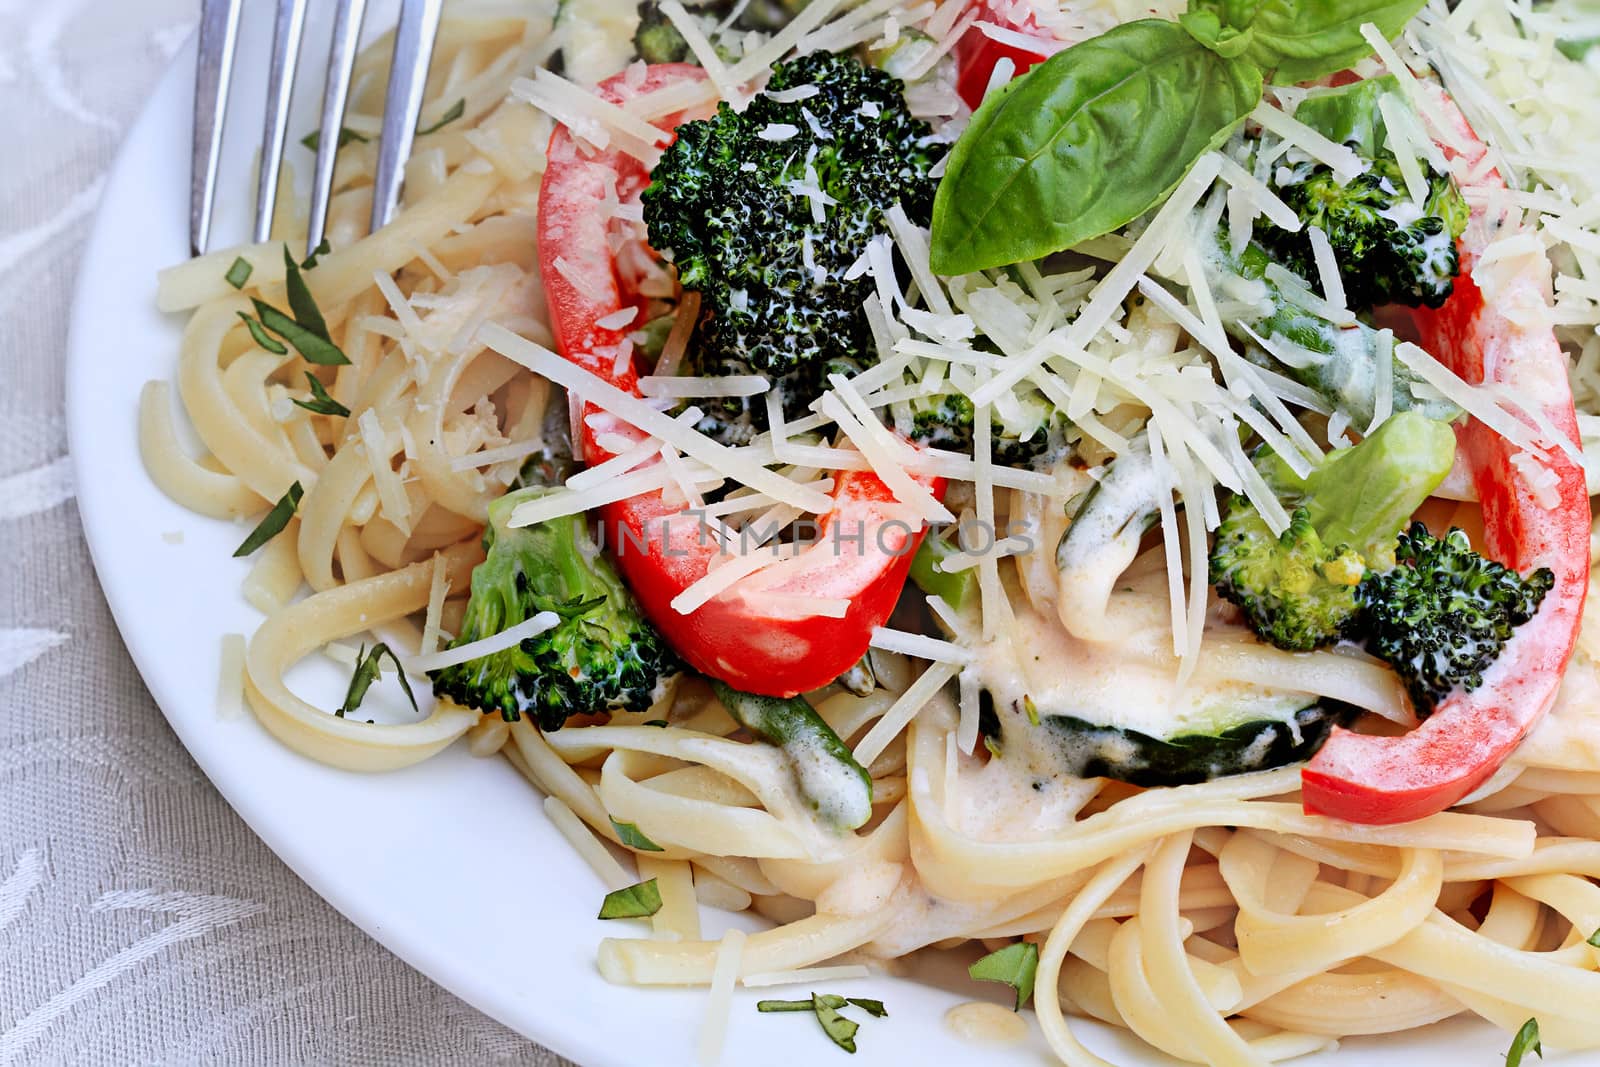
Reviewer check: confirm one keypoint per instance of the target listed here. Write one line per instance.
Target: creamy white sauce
(984, 1022)
(831, 788)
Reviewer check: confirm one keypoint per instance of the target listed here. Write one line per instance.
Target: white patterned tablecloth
(141, 922)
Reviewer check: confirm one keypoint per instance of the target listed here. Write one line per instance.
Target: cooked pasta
(1216, 919)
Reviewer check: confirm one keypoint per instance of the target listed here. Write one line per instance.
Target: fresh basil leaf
(274, 521)
(873, 1008)
(315, 254)
(238, 273)
(1526, 1041)
(262, 337)
(301, 302)
(1087, 141)
(1349, 114)
(840, 1030)
(368, 669)
(1207, 28)
(312, 348)
(313, 140)
(1594, 938)
(321, 403)
(457, 109)
(633, 838)
(1015, 965)
(637, 901)
(1298, 41)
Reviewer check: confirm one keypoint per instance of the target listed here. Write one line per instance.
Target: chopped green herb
(657, 722)
(315, 254)
(783, 1005)
(262, 337)
(239, 273)
(457, 109)
(313, 348)
(873, 1008)
(301, 302)
(1032, 709)
(992, 745)
(367, 672)
(1594, 939)
(1526, 1041)
(313, 140)
(631, 837)
(840, 1030)
(275, 521)
(321, 403)
(637, 901)
(1014, 965)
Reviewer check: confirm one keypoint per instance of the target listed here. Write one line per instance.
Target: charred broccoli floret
(1035, 434)
(601, 655)
(1389, 250)
(765, 212)
(1298, 590)
(1444, 613)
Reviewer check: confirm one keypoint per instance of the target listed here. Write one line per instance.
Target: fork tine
(336, 93)
(286, 30)
(402, 105)
(219, 33)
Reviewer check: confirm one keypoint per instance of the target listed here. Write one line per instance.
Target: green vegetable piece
(1594, 938)
(321, 403)
(873, 1008)
(1015, 966)
(312, 348)
(315, 254)
(368, 669)
(837, 787)
(603, 655)
(457, 109)
(301, 302)
(1349, 114)
(238, 273)
(1526, 1041)
(638, 901)
(1577, 48)
(1209, 30)
(313, 140)
(663, 723)
(956, 588)
(1084, 143)
(261, 337)
(274, 522)
(840, 1031)
(1298, 40)
(775, 1006)
(1444, 613)
(634, 838)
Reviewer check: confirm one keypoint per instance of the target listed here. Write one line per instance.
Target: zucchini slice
(1084, 749)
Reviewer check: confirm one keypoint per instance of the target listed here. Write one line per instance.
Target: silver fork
(408, 75)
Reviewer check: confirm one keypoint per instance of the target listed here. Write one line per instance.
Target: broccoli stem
(838, 788)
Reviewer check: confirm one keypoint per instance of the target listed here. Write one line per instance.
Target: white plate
(451, 864)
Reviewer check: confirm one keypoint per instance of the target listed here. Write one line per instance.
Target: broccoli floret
(1035, 437)
(657, 40)
(765, 211)
(1389, 250)
(602, 655)
(1443, 614)
(1298, 591)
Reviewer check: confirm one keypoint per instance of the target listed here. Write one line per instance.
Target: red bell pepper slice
(743, 636)
(1371, 779)
(977, 53)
